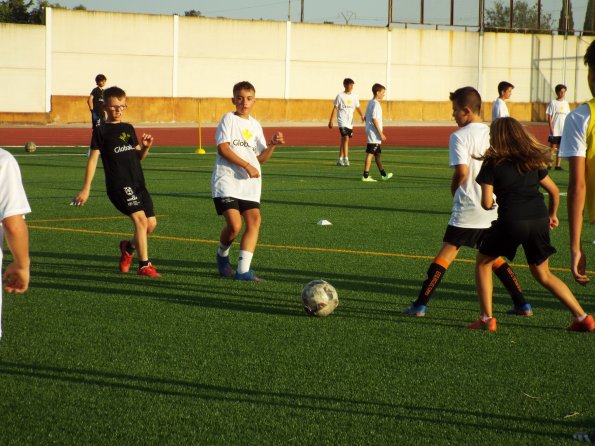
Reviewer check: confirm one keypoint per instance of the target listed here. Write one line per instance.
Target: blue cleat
(525, 310)
(248, 275)
(415, 310)
(225, 269)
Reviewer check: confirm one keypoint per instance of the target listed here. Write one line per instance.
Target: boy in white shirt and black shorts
(236, 181)
(345, 104)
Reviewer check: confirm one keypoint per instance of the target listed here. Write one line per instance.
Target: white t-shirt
(499, 109)
(373, 111)
(558, 111)
(246, 139)
(346, 105)
(13, 200)
(574, 141)
(464, 144)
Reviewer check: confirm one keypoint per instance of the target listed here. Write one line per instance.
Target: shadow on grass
(292, 401)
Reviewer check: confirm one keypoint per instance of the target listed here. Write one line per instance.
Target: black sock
(435, 274)
(366, 174)
(510, 282)
(143, 263)
(129, 248)
(383, 173)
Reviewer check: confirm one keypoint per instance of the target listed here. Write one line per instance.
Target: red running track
(403, 136)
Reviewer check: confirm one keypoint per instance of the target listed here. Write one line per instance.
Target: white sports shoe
(387, 177)
(369, 180)
(340, 163)
(346, 163)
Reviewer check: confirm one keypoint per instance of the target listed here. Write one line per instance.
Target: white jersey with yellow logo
(346, 105)
(246, 140)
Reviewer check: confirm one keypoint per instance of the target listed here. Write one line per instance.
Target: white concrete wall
(22, 68)
(171, 56)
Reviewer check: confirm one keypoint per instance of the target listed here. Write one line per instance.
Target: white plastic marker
(324, 223)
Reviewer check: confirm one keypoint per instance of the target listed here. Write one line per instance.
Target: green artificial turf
(93, 356)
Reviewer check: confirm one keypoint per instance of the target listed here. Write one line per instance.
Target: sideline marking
(115, 217)
(294, 248)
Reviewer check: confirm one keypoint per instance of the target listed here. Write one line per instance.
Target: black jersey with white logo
(117, 145)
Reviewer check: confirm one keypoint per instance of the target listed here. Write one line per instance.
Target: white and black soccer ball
(319, 298)
(30, 147)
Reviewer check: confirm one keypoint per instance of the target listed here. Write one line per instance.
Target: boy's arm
(550, 120)
(225, 151)
(459, 176)
(330, 121)
(359, 110)
(268, 152)
(16, 274)
(375, 122)
(554, 201)
(576, 203)
(90, 102)
(143, 147)
(83, 195)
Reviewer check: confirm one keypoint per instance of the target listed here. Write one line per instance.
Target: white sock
(223, 250)
(244, 261)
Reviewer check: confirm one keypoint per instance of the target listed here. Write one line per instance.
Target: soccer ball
(30, 147)
(319, 298)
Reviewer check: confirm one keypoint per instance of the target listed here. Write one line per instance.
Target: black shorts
(458, 237)
(344, 131)
(129, 200)
(503, 239)
(373, 149)
(554, 139)
(223, 204)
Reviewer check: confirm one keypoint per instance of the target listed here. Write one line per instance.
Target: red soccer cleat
(125, 258)
(479, 324)
(149, 271)
(587, 324)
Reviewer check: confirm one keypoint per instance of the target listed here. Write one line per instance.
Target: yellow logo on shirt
(125, 136)
(349, 102)
(247, 135)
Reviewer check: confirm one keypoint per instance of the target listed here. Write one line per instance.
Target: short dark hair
(100, 77)
(113, 92)
(377, 87)
(244, 85)
(467, 97)
(348, 81)
(590, 56)
(503, 86)
(560, 87)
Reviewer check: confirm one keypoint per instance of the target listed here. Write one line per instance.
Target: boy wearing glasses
(121, 154)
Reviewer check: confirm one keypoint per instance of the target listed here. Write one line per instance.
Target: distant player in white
(13, 207)
(375, 134)
(236, 180)
(556, 113)
(345, 104)
(499, 109)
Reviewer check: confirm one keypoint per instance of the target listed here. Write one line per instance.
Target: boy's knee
(151, 225)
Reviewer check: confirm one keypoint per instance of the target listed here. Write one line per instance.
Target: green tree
(21, 11)
(193, 13)
(562, 21)
(589, 26)
(523, 16)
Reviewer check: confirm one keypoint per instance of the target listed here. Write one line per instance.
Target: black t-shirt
(97, 94)
(517, 195)
(117, 145)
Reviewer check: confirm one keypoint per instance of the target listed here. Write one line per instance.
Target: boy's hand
(252, 171)
(554, 222)
(16, 279)
(146, 141)
(330, 124)
(382, 137)
(80, 199)
(277, 139)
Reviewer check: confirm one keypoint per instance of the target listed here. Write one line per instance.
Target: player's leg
(383, 175)
(252, 220)
(367, 163)
(345, 142)
(484, 287)
(233, 226)
(140, 241)
(556, 148)
(508, 278)
(581, 320)
(446, 255)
